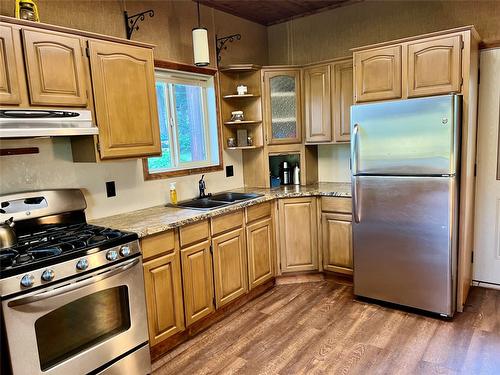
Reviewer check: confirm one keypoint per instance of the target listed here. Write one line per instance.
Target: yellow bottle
(173, 193)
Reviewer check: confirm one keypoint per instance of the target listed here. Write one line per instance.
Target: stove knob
(27, 280)
(82, 264)
(112, 255)
(48, 275)
(125, 251)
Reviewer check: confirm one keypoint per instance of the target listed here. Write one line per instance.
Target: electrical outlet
(229, 171)
(110, 189)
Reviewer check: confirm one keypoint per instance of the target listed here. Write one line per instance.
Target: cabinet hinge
(461, 81)
(98, 145)
(214, 301)
(462, 44)
(87, 51)
(211, 249)
(472, 257)
(475, 169)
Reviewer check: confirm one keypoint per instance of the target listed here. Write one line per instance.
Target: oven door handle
(68, 288)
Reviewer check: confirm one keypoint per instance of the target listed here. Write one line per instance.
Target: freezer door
(404, 240)
(406, 137)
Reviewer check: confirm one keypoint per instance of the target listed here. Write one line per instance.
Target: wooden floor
(317, 328)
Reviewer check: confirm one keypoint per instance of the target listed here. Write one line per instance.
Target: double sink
(213, 202)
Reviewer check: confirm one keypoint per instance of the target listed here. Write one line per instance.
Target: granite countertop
(160, 218)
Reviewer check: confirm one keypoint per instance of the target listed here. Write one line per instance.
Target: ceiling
(270, 12)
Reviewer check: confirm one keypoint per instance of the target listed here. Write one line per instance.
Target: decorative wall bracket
(131, 21)
(220, 44)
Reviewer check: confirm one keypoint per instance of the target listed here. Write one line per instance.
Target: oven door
(80, 325)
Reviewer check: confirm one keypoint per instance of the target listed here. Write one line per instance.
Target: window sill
(183, 172)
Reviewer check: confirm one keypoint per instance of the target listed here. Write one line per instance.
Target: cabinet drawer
(192, 233)
(258, 211)
(156, 244)
(336, 204)
(226, 222)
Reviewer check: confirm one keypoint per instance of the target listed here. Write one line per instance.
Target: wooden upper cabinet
(125, 100)
(54, 69)
(230, 266)
(377, 74)
(9, 79)
(260, 246)
(337, 242)
(298, 234)
(162, 281)
(198, 285)
(317, 100)
(282, 105)
(435, 66)
(342, 100)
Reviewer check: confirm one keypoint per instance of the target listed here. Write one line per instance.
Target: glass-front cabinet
(282, 106)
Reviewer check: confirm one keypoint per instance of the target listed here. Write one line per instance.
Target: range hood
(25, 123)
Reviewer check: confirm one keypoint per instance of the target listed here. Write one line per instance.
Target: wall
(332, 33)
(170, 30)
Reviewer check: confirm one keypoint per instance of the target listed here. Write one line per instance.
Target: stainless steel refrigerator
(405, 163)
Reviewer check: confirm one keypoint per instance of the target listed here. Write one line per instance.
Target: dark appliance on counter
(72, 293)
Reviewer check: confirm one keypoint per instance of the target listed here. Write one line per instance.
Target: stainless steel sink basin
(217, 201)
(202, 204)
(233, 197)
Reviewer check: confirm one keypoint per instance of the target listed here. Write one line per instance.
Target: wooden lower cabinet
(337, 242)
(298, 234)
(197, 277)
(260, 248)
(162, 281)
(230, 266)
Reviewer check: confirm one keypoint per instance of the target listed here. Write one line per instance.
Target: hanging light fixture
(200, 43)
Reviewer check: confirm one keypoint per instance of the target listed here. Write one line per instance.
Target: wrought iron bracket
(131, 21)
(220, 44)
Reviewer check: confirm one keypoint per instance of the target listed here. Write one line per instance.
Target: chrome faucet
(202, 186)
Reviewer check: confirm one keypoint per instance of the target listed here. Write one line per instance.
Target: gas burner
(22, 258)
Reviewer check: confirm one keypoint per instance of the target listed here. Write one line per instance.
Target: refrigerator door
(406, 137)
(404, 243)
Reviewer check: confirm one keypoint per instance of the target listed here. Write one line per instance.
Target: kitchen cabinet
(54, 68)
(435, 66)
(337, 242)
(197, 277)
(230, 266)
(125, 100)
(282, 106)
(260, 248)
(317, 104)
(9, 79)
(342, 100)
(162, 281)
(298, 234)
(377, 74)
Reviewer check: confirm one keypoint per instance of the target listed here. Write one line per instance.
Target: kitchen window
(187, 112)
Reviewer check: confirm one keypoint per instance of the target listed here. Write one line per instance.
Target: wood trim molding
(173, 65)
(490, 44)
(182, 172)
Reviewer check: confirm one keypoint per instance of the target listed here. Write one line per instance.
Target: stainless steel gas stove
(72, 294)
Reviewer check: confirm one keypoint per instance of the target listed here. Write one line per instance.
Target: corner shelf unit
(251, 104)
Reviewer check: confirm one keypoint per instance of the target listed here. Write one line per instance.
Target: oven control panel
(47, 275)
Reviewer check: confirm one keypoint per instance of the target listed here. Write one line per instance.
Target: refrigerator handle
(355, 208)
(354, 157)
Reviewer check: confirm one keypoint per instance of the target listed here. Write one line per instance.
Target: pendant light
(200, 43)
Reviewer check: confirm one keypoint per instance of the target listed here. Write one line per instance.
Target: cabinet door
(317, 100)
(54, 68)
(342, 101)
(282, 106)
(377, 74)
(125, 100)
(9, 80)
(198, 281)
(260, 246)
(435, 66)
(162, 281)
(337, 243)
(298, 234)
(230, 266)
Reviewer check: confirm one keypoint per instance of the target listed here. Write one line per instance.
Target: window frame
(161, 64)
